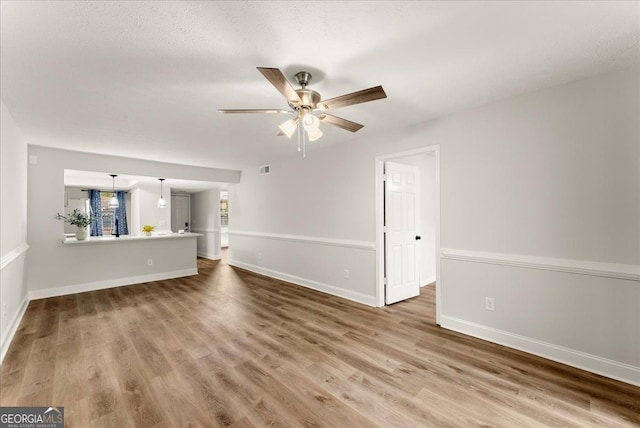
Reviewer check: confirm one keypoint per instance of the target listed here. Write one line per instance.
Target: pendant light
(161, 202)
(113, 202)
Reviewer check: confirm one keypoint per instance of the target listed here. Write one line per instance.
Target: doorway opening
(180, 212)
(427, 160)
(224, 219)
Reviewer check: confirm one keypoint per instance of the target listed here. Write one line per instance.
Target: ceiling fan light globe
(288, 127)
(314, 134)
(310, 122)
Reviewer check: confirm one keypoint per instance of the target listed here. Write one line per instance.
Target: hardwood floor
(229, 348)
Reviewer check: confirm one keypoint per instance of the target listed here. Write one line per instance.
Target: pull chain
(302, 139)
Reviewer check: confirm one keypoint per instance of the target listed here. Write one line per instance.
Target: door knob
(418, 238)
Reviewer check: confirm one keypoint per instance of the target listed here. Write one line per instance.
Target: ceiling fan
(308, 106)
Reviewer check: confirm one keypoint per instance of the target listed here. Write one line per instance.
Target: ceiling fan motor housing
(308, 99)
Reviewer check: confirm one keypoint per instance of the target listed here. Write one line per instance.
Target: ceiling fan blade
(254, 110)
(363, 96)
(281, 83)
(340, 122)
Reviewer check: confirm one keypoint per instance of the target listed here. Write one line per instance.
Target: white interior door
(180, 212)
(402, 252)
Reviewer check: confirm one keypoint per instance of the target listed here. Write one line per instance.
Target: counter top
(127, 238)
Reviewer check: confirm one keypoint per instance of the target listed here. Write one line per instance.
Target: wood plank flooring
(230, 348)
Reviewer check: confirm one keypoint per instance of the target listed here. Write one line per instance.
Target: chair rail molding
(359, 245)
(13, 255)
(581, 267)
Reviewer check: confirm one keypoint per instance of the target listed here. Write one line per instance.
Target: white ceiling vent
(265, 169)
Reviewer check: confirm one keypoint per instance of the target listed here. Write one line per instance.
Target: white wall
(315, 212)
(135, 227)
(75, 198)
(552, 176)
(147, 212)
(205, 219)
(53, 265)
(13, 228)
(93, 266)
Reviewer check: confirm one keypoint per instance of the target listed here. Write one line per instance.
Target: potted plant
(79, 219)
(147, 229)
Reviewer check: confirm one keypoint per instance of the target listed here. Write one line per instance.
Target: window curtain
(96, 209)
(121, 213)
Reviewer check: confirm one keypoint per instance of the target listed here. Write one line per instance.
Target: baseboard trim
(100, 285)
(13, 327)
(429, 281)
(13, 255)
(607, 270)
(209, 256)
(308, 283)
(359, 245)
(582, 360)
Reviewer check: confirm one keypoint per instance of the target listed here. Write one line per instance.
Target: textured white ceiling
(145, 79)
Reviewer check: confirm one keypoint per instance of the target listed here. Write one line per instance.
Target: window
(224, 212)
(108, 214)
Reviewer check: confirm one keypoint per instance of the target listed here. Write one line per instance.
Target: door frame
(379, 201)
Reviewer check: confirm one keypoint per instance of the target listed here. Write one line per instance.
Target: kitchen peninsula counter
(111, 239)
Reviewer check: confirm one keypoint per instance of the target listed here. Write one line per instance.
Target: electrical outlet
(489, 304)
(346, 274)
(149, 262)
